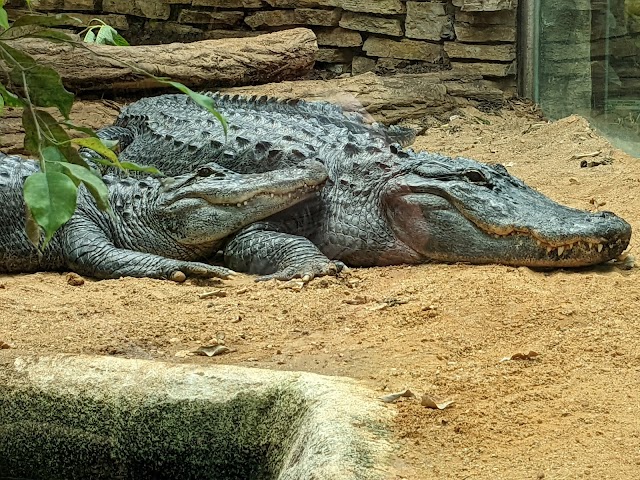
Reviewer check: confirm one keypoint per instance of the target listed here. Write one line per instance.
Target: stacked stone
(472, 37)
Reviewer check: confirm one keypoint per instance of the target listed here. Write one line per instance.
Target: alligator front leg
(277, 255)
(89, 252)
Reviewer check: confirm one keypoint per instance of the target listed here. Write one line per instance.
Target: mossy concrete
(77, 417)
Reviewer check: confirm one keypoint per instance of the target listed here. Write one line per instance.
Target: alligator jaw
(575, 253)
(264, 197)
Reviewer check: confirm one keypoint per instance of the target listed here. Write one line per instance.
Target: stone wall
(470, 37)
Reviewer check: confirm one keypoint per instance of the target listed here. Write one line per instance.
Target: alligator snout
(610, 227)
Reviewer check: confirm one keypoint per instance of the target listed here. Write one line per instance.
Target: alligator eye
(208, 172)
(474, 176)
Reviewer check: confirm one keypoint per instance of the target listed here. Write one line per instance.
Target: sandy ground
(571, 412)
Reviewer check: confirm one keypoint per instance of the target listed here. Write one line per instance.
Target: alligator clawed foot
(202, 270)
(306, 271)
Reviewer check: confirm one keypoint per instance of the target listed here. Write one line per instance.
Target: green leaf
(10, 99)
(56, 20)
(86, 130)
(32, 228)
(140, 168)
(205, 102)
(51, 198)
(94, 183)
(105, 162)
(4, 18)
(15, 58)
(90, 37)
(43, 131)
(119, 40)
(46, 89)
(53, 155)
(43, 83)
(105, 35)
(97, 145)
(53, 36)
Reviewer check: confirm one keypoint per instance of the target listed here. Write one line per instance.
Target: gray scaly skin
(382, 205)
(158, 227)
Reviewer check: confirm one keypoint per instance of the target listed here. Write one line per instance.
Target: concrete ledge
(67, 417)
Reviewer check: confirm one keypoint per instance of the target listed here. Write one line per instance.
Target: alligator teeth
(600, 247)
(560, 250)
(238, 204)
(590, 245)
(549, 249)
(539, 243)
(246, 203)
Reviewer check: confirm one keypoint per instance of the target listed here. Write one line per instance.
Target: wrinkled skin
(382, 205)
(159, 228)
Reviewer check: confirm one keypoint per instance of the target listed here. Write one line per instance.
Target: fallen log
(207, 64)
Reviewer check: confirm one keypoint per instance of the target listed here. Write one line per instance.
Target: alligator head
(459, 210)
(211, 203)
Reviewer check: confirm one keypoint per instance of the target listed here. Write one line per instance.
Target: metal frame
(528, 37)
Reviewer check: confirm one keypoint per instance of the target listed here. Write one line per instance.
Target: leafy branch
(51, 194)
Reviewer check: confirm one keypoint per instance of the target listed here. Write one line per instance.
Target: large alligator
(159, 227)
(382, 204)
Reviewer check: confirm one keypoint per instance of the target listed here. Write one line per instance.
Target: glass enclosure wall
(588, 62)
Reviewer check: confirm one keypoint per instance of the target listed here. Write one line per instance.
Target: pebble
(74, 279)
(178, 276)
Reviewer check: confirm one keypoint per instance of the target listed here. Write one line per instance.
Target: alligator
(382, 205)
(157, 227)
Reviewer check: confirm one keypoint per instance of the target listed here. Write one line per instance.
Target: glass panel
(588, 62)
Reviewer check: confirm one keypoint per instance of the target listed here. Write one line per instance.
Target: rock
(389, 66)
(484, 69)
(485, 5)
(485, 34)
(334, 55)
(119, 22)
(160, 31)
(74, 279)
(271, 18)
(338, 37)
(121, 417)
(75, 5)
(478, 90)
(362, 65)
(427, 21)
(501, 53)
(380, 7)
(222, 34)
(310, 16)
(303, 3)
(227, 3)
(404, 49)
(210, 18)
(502, 17)
(385, 99)
(370, 23)
(138, 8)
